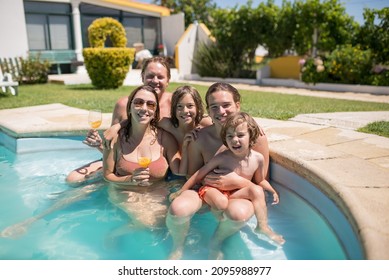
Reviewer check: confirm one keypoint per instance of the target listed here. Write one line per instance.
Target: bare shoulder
(261, 143)
(205, 121)
(166, 124)
(166, 136)
(256, 155)
(205, 134)
(122, 101)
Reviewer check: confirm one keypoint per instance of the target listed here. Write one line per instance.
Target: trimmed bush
(33, 70)
(104, 28)
(107, 67)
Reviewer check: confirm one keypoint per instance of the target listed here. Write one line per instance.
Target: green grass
(259, 104)
(380, 128)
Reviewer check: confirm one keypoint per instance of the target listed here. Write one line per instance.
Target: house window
(139, 28)
(48, 26)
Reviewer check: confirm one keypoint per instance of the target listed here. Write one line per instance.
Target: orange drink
(95, 124)
(144, 161)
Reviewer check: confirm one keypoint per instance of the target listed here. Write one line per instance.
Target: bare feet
(270, 236)
(176, 254)
(215, 254)
(17, 230)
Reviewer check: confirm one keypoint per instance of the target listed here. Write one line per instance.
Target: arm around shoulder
(262, 147)
(172, 153)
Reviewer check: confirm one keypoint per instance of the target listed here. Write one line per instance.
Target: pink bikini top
(158, 168)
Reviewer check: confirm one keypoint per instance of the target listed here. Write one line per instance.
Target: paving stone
(382, 162)
(329, 136)
(305, 150)
(353, 172)
(367, 148)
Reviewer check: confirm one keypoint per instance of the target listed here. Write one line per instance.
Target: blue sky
(353, 7)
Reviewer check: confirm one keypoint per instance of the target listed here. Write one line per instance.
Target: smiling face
(221, 104)
(186, 110)
(238, 139)
(156, 76)
(143, 107)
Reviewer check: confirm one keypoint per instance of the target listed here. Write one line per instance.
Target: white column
(77, 33)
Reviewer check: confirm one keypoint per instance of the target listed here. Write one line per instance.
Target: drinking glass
(95, 118)
(144, 159)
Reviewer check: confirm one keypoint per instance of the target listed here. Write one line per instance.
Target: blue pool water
(34, 179)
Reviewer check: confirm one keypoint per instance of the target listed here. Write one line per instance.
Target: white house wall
(187, 47)
(172, 29)
(13, 33)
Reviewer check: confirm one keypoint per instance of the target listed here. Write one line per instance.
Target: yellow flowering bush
(350, 65)
(345, 65)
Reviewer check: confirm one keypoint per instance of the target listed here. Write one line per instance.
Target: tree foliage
(194, 10)
(327, 19)
(374, 34)
(302, 27)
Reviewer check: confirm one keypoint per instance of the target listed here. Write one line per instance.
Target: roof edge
(162, 11)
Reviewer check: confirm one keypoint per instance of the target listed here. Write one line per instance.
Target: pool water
(33, 180)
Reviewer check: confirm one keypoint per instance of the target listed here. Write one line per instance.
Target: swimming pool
(32, 179)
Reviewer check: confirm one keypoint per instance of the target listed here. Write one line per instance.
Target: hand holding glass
(94, 120)
(144, 159)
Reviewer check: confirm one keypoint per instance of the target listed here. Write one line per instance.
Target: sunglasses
(138, 103)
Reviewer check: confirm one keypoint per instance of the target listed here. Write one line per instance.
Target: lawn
(258, 104)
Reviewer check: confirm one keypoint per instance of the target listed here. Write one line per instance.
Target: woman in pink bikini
(144, 203)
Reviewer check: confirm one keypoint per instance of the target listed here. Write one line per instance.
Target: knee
(75, 177)
(239, 210)
(221, 203)
(185, 205)
(256, 192)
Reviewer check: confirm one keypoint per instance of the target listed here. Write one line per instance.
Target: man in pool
(222, 100)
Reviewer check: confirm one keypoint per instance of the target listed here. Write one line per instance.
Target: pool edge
(373, 245)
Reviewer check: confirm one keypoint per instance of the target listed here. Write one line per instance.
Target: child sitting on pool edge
(239, 134)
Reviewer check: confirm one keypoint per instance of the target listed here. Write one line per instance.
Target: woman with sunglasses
(145, 204)
(155, 73)
(121, 167)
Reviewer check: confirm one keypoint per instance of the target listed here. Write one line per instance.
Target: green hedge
(107, 68)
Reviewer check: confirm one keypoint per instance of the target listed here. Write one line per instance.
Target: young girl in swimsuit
(187, 117)
(239, 134)
(146, 205)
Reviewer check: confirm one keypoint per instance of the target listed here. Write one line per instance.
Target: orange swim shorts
(204, 189)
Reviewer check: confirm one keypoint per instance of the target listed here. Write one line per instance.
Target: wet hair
(153, 122)
(156, 59)
(236, 119)
(220, 86)
(178, 94)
